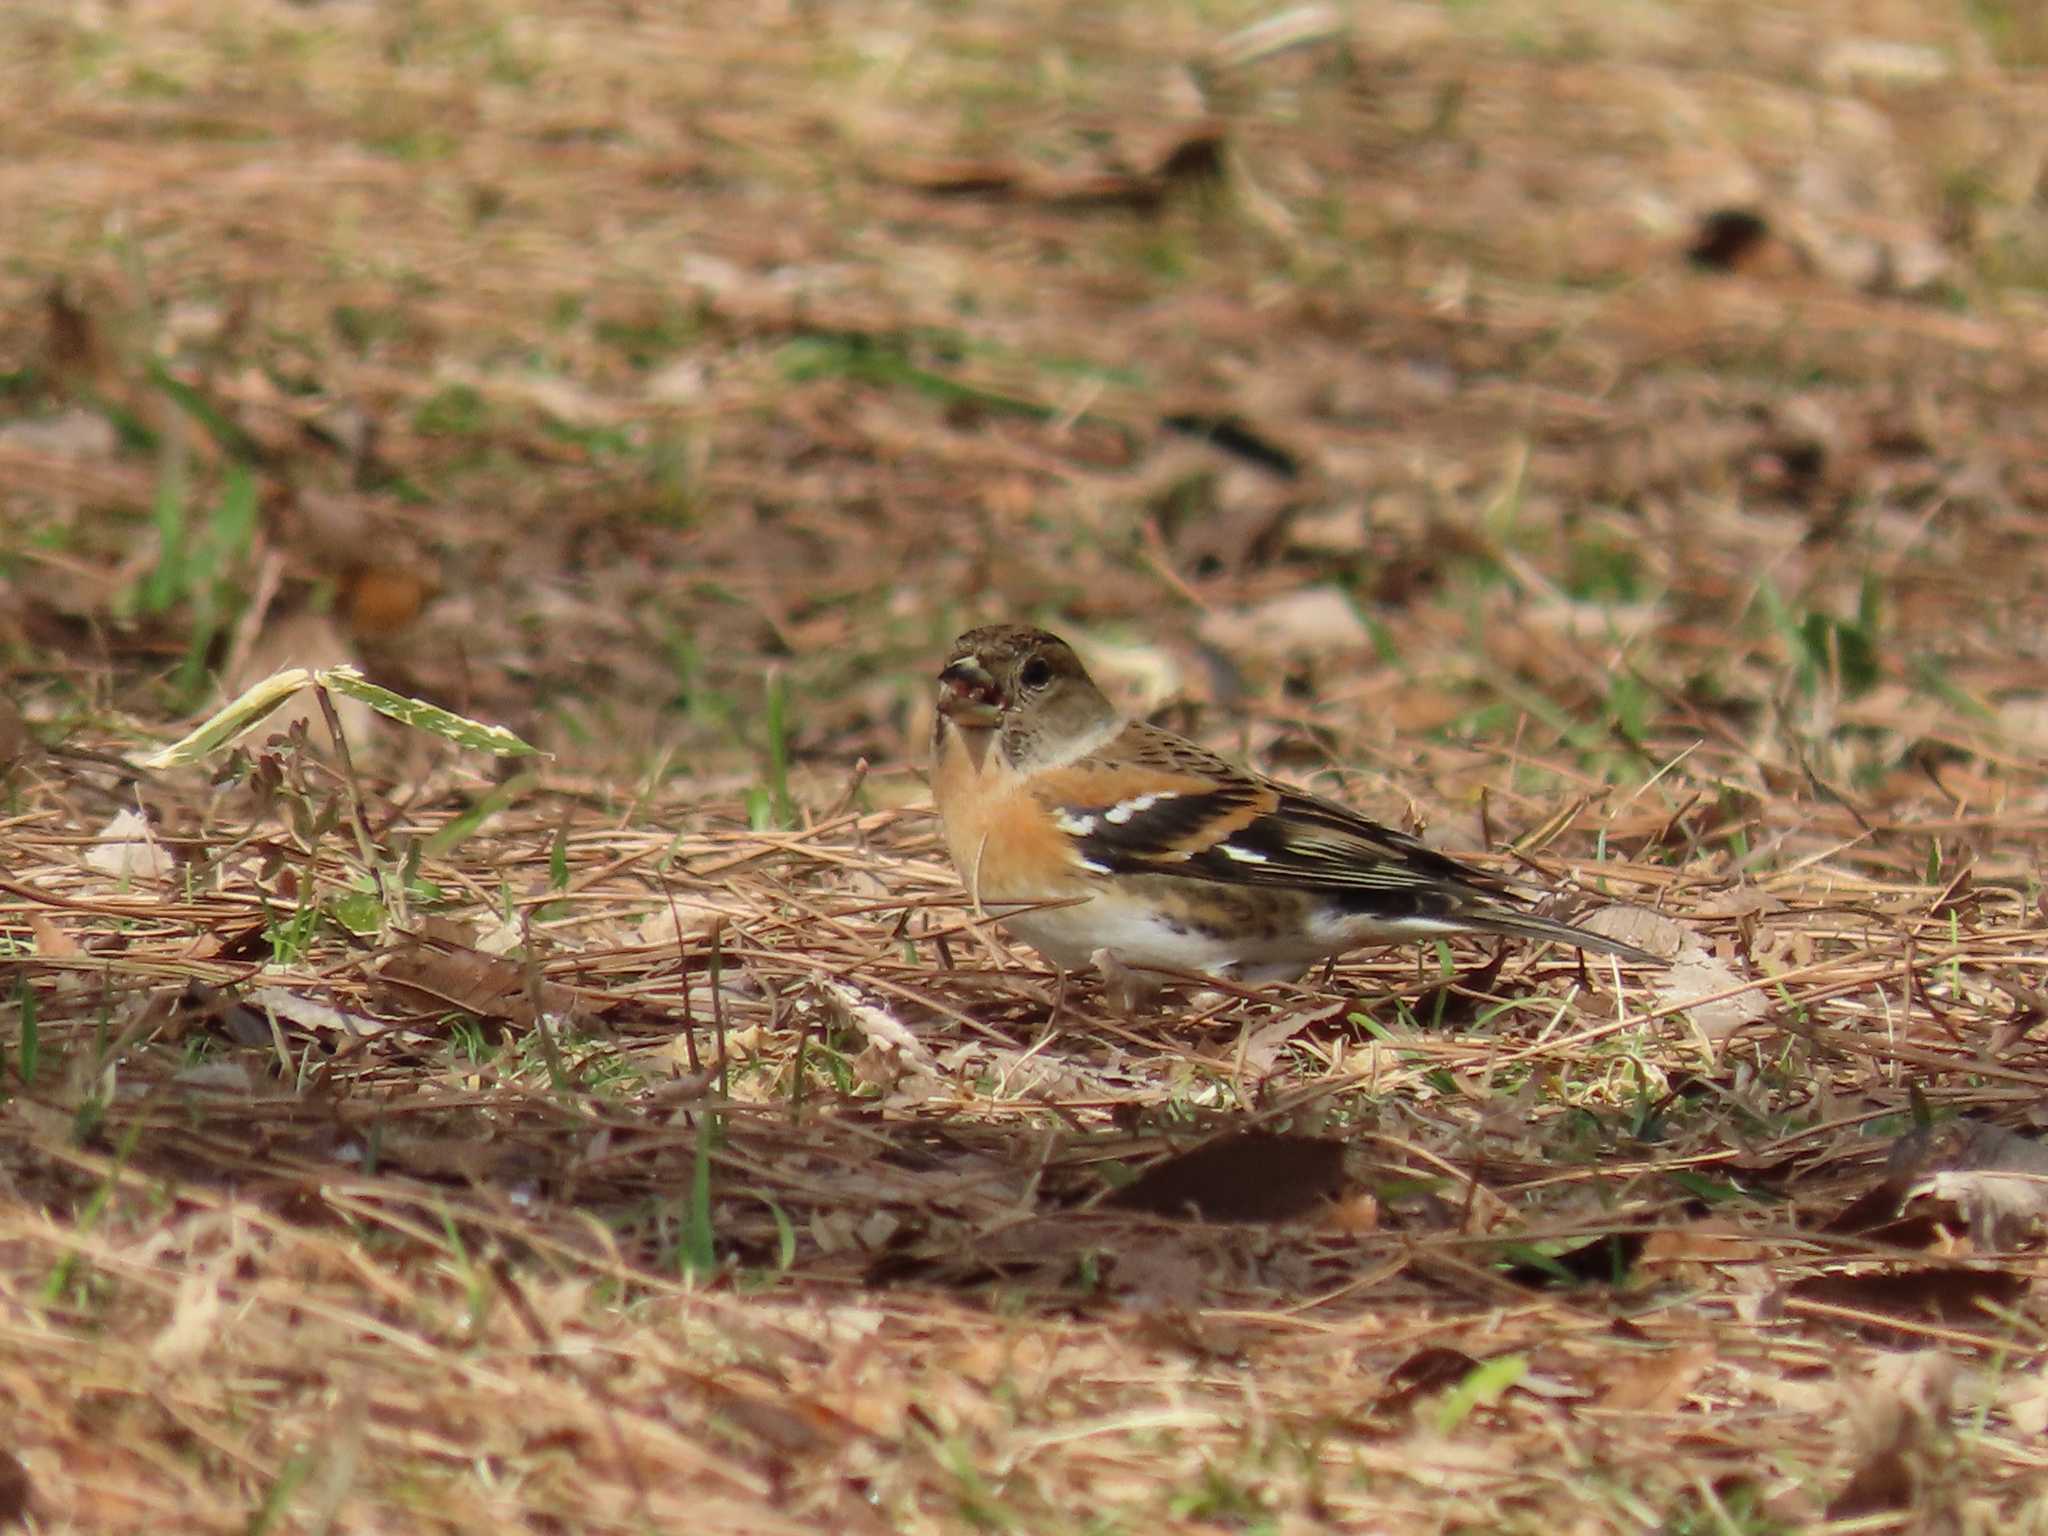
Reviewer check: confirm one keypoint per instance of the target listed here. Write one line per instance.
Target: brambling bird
(1136, 850)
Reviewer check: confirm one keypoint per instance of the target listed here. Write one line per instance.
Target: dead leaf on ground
(436, 969)
(383, 599)
(1160, 1269)
(73, 434)
(1657, 1383)
(216, 1011)
(1264, 1048)
(127, 849)
(16, 1491)
(465, 1152)
(1310, 621)
(1950, 1296)
(1739, 240)
(1711, 992)
(1901, 1415)
(1139, 179)
(1422, 1373)
(1605, 1260)
(1245, 1176)
(52, 942)
(1997, 1179)
(17, 741)
(1703, 1242)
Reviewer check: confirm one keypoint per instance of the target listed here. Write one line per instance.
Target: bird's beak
(967, 695)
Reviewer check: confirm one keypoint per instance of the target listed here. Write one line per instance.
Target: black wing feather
(1303, 843)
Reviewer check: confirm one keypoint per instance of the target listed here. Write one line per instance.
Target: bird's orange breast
(1006, 845)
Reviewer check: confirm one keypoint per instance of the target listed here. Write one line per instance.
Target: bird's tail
(1527, 925)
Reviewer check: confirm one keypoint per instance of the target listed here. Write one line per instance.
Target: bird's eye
(1035, 673)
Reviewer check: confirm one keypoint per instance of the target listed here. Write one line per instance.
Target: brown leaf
(1424, 1372)
(1883, 1483)
(1701, 1243)
(1193, 152)
(126, 848)
(1657, 1383)
(1245, 1176)
(1900, 1413)
(15, 1489)
(1156, 1269)
(437, 971)
(221, 1013)
(17, 741)
(1307, 621)
(52, 942)
(1604, 1260)
(74, 346)
(1354, 1216)
(1738, 240)
(1996, 1179)
(1949, 1296)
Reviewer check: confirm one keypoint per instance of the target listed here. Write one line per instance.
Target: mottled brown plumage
(1165, 855)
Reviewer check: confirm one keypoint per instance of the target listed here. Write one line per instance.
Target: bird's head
(1025, 685)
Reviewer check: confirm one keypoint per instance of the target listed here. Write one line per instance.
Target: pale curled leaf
(1301, 26)
(1718, 998)
(232, 721)
(1714, 996)
(317, 1017)
(126, 849)
(422, 716)
(254, 704)
(1990, 1199)
(881, 1027)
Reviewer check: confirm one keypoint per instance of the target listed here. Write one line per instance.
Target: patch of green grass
(415, 143)
(363, 328)
(454, 410)
(474, 1278)
(678, 466)
(2016, 30)
(1600, 568)
(467, 1039)
(290, 937)
(1223, 1499)
(1828, 649)
(28, 1043)
(1483, 1385)
(360, 911)
(768, 803)
(67, 1281)
(610, 1073)
(647, 337)
(696, 1250)
(600, 442)
(1168, 255)
(203, 557)
(1732, 1508)
(277, 1498)
(148, 83)
(925, 361)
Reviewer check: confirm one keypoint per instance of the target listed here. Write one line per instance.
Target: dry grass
(654, 1140)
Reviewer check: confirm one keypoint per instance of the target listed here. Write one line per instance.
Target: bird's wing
(1150, 803)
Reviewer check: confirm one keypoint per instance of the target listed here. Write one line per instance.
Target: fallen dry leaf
(1657, 1383)
(1242, 1176)
(17, 1492)
(127, 849)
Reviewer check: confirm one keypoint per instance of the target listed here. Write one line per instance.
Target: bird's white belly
(1142, 938)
